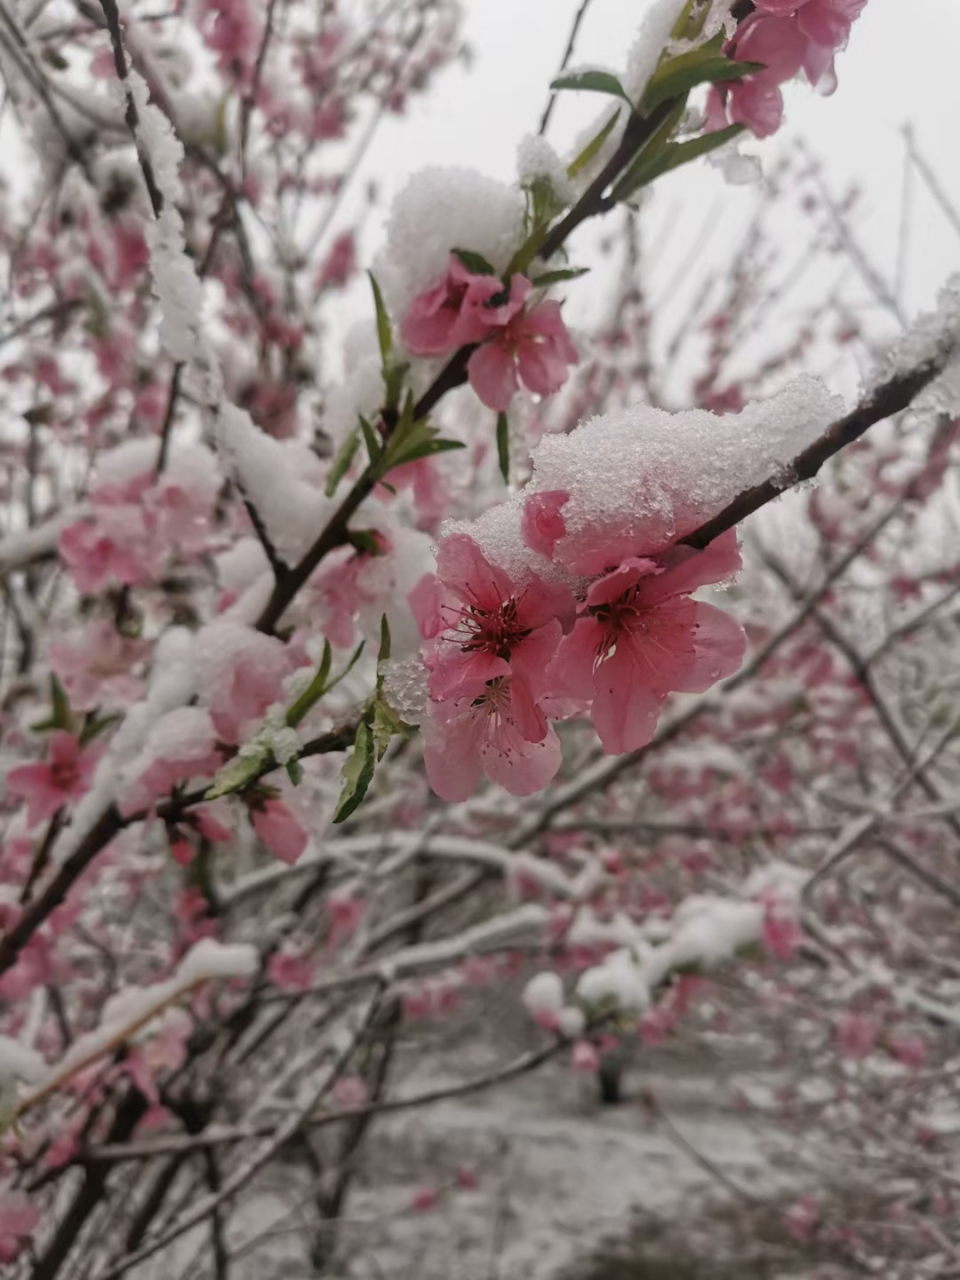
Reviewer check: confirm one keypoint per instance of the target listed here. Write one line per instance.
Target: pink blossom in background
(455, 313)
(339, 264)
(245, 682)
(64, 776)
(275, 824)
(641, 637)
(94, 665)
(585, 1057)
(857, 1035)
(534, 348)
(232, 30)
(18, 1219)
(290, 971)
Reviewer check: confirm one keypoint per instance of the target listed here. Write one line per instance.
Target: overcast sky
(900, 67)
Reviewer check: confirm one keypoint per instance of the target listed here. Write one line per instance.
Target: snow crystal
(543, 994)
(571, 1022)
(640, 478)
(618, 981)
(271, 476)
(653, 38)
(927, 339)
(361, 392)
(17, 1062)
(241, 565)
(710, 929)
(157, 140)
(536, 159)
(211, 959)
(439, 210)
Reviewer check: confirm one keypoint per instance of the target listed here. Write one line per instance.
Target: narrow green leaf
(556, 277)
(593, 146)
(672, 157)
(384, 332)
(385, 640)
(60, 703)
(372, 441)
(474, 262)
(503, 446)
(387, 725)
(677, 77)
(295, 772)
(357, 773)
(93, 728)
(314, 691)
(237, 774)
(342, 459)
(393, 379)
(354, 659)
(593, 82)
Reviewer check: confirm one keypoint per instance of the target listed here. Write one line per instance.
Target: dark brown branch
(112, 15)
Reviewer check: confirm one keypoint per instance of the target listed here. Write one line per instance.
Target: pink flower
(289, 971)
(485, 627)
(18, 1218)
(534, 345)
(476, 731)
(857, 1035)
(246, 674)
(339, 264)
(455, 312)
(542, 526)
(274, 823)
(424, 1200)
(120, 545)
(94, 666)
(642, 637)
(65, 776)
(585, 1057)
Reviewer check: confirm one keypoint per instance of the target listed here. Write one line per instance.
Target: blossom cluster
(786, 37)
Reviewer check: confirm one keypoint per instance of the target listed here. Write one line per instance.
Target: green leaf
(555, 277)
(372, 441)
(706, 65)
(238, 773)
(393, 379)
(342, 459)
(384, 332)
(593, 146)
(295, 772)
(357, 773)
(672, 157)
(386, 726)
(314, 691)
(474, 262)
(385, 641)
(60, 703)
(503, 446)
(93, 728)
(594, 82)
(365, 541)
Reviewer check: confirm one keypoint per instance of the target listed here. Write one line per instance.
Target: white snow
(439, 210)
(543, 994)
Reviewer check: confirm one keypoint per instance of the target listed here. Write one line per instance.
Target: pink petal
(542, 370)
(719, 642)
(463, 567)
(279, 830)
(571, 672)
(521, 767)
(686, 569)
(528, 664)
(543, 526)
(613, 585)
(425, 599)
(626, 709)
(451, 751)
(493, 376)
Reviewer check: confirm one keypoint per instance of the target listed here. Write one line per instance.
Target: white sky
(900, 67)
